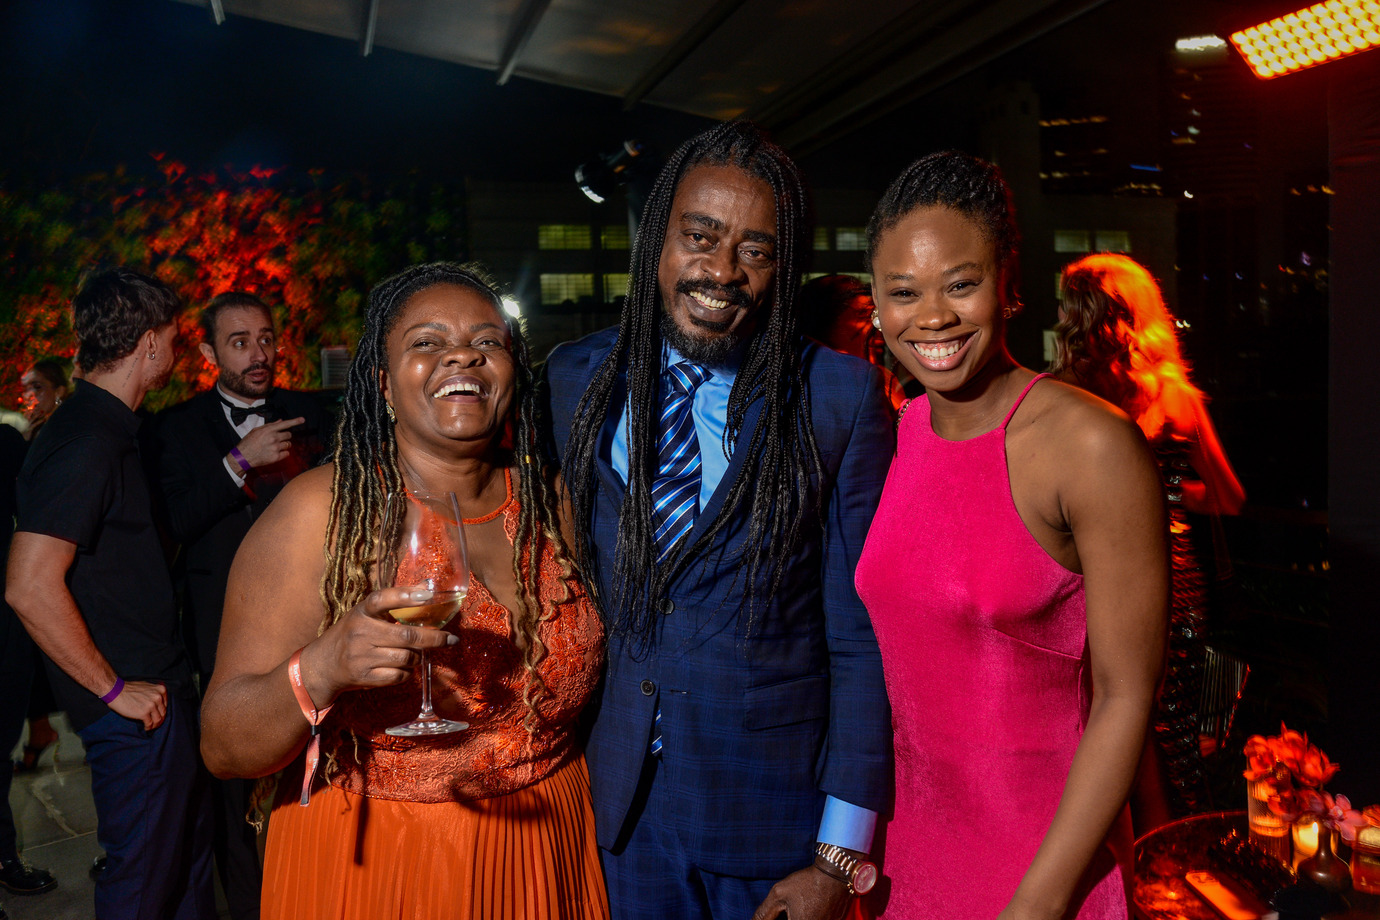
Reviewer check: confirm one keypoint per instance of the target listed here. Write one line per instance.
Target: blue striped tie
(676, 489)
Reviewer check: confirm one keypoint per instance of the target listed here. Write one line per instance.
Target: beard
(717, 343)
(240, 384)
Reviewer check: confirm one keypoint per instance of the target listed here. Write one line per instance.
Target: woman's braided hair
(367, 469)
(781, 478)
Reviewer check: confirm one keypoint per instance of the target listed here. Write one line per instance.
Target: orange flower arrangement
(1296, 772)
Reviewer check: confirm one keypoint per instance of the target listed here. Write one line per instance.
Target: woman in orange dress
(491, 822)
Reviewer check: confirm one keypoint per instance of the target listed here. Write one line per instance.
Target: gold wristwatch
(858, 874)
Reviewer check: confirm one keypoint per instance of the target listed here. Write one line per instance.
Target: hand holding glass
(422, 544)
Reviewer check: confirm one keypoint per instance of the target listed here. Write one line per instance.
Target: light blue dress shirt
(844, 824)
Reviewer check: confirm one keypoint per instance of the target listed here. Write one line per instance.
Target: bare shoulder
(1078, 428)
(296, 518)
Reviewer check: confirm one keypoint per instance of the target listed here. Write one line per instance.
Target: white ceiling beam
(681, 50)
(367, 28)
(524, 25)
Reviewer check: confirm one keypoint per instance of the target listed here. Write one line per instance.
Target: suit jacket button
(668, 606)
(648, 688)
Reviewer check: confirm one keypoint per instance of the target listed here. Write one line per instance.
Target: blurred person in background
(1117, 339)
(836, 311)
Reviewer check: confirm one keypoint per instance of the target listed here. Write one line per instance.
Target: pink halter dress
(984, 644)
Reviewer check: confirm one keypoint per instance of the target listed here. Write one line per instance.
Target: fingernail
(420, 594)
(452, 639)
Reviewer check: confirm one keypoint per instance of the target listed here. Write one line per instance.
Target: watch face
(864, 877)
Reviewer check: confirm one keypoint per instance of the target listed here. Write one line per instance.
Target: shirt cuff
(847, 825)
(235, 472)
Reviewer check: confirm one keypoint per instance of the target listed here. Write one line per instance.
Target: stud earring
(876, 320)
(388, 407)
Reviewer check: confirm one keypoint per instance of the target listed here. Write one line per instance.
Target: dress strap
(1020, 399)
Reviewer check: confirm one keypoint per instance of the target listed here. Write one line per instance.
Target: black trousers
(18, 663)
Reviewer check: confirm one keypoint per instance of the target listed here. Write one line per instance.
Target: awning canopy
(806, 69)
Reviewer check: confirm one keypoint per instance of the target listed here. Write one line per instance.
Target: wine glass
(422, 544)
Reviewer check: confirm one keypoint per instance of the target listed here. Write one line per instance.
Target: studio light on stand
(630, 169)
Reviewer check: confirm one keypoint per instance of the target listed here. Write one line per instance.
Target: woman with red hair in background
(1116, 339)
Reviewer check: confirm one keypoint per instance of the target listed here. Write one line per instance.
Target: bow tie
(239, 413)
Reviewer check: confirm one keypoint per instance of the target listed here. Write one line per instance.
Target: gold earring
(876, 320)
(388, 407)
(1007, 312)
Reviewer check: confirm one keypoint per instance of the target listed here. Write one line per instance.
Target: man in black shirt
(88, 579)
(222, 457)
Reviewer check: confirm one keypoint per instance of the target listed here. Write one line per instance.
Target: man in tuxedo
(723, 476)
(221, 457)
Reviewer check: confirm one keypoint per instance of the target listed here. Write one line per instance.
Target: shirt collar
(726, 372)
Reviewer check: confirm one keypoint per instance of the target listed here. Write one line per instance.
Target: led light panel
(1315, 35)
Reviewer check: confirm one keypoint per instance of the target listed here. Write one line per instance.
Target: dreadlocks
(776, 482)
(366, 469)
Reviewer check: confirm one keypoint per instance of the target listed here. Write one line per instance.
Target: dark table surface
(1165, 855)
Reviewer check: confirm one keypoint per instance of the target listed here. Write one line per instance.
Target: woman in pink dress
(1017, 577)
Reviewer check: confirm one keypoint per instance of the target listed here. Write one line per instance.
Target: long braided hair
(367, 469)
(783, 458)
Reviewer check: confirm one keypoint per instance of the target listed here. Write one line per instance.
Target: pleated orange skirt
(529, 855)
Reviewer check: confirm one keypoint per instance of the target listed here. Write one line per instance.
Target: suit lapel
(619, 399)
(217, 425)
(735, 467)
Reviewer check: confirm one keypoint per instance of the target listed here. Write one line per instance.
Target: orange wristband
(314, 717)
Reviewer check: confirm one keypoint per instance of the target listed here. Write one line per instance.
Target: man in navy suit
(723, 476)
(221, 457)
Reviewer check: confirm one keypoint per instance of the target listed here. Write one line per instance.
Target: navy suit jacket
(758, 727)
(206, 512)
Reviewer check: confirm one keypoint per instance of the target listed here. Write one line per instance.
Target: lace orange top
(479, 681)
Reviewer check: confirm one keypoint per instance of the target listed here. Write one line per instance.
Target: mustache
(736, 296)
(261, 366)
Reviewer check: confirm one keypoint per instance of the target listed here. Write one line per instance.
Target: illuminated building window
(850, 239)
(1113, 241)
(821, 239)
(614, 236)
(1072, 241)
(615, 285)
(557, 289)
(564, 236)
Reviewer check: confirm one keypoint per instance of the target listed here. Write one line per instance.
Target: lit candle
(1305, 840)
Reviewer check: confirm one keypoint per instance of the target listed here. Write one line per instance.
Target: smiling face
(244, 351)
(450, 376)
(718, 262)
(939, 292)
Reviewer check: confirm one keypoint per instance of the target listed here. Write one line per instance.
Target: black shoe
(97, 867)
(22, 878)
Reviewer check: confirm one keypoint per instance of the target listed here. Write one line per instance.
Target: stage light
(512, 307)
(1308, 37)
(1200, 43)
(599, 177)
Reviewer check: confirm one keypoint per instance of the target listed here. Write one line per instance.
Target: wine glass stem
(426, 712)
